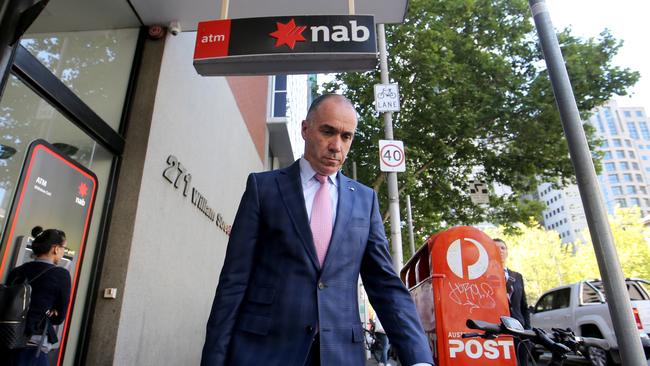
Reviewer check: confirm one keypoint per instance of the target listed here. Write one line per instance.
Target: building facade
(625, 175)
(169, 151)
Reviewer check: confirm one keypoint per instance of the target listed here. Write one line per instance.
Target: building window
(631, 154)
(620, 154)
(605, 144)
(644, 130)
(612, 178)
(634, 133)
(639, 178)
(610, 167)
(643, 190)
(611, 125)
(620, 202)
(635, 202)
(617, 142)
(635, 165)
(628, 143)
(624, 165)
(639, 114)
(647, 202)
(627, 177)
(617, 190)
(630, 190)
(279, 102)
(607, 155)
(627, 114)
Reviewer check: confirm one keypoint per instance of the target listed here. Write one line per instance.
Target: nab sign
(298, 44)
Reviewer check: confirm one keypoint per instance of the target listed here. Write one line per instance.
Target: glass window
(643, 190)
(617, 143)
(635, 165)
(607, 155)
(613, 178)
(95, 65)
(631, 154)
(620, 154)
(611, 125)
(617, 190)
(624, 165)
(628, 143)
(601, 127)
(644, 130)
(26, 117)
(644, 157)
(630, 190)
(627, 177)
(647, 202)
(634, 133)
(639, 113)
(620, 202)
(605, 144)
(639, 178)
(610, 167)
(280, 96)
(627, 114)
(635, 202)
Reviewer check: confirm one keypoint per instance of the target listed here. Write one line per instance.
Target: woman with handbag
(50, 296)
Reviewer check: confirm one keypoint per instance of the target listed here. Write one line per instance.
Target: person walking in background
(382, 338)
(516, 300)
(50, 295)
(287, 293)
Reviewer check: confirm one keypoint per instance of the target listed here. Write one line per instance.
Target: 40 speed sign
(391, 156)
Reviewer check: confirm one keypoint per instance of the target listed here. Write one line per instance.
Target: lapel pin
(351, 188)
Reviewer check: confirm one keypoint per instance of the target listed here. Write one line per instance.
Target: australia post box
(458, 275)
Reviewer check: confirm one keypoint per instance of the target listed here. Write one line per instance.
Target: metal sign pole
(618, 299)
(393, 191)
(409, 219)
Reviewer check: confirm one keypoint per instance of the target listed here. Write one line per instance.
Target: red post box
(457, 276)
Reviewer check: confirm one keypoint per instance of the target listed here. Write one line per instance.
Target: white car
(582, 307)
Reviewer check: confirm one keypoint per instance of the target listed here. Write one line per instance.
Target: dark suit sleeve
(390, 298)
(524, 304)
(234, 277)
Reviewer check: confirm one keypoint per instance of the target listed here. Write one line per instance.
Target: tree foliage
(545, 263)
(476, 102)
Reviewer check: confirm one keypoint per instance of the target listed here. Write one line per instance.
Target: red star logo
(83, 189)
(288, 34)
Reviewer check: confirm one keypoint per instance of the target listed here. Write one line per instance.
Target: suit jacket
(273, 297)
(518, 303)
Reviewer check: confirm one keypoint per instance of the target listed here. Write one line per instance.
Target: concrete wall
(176, 251)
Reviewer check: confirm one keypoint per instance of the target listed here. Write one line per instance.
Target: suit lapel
(343, 214)
(290, 188)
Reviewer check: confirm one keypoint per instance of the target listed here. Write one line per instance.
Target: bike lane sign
(468, 283)
(387, 98)
(391, 156)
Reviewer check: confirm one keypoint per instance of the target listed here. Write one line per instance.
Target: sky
(627, 20)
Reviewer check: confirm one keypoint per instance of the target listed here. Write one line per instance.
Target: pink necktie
(321, 218)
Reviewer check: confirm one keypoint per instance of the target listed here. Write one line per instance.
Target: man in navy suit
(287, 296)
(516, 299)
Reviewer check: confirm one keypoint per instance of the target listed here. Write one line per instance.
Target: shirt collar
(307, 172)
(44, 260)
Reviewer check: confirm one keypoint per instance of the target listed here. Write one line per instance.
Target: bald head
(316, 104)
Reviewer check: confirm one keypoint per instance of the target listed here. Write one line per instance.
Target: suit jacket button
(321, 285)
(309, 329)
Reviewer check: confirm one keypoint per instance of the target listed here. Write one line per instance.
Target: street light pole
(393, 190)
(618, 300)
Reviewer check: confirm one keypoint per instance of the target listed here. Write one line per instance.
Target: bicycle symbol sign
(387, 97)
(391, 156)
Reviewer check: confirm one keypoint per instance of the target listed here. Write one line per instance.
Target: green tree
(545, 263)
(475, 93)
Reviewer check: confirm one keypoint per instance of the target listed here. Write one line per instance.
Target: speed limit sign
(391, 156)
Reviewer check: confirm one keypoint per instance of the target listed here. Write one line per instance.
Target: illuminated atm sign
(297, 44)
